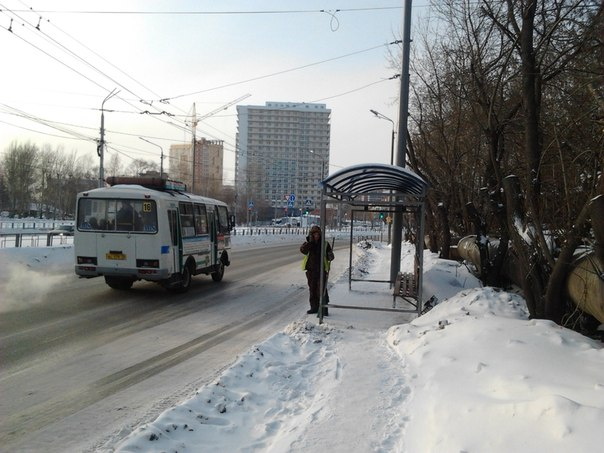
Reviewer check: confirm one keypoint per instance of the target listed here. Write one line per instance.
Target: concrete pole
(101, 147)
(194, 129)
(101, 150)
(397, 225)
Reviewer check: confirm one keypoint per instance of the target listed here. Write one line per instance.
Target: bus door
(175, 240)
(213, 227)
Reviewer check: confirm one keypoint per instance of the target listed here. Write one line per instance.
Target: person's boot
(312, 311)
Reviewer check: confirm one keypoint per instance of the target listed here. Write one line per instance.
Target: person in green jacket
(312, 265)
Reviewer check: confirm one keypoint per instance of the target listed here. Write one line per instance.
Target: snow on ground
(474, 374)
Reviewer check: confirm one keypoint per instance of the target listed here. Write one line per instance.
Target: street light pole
(384, 117)
(59, 190)
(312, 151)
(101, 146)
(161, 165)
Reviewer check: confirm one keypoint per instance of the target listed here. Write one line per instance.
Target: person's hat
(315, 229)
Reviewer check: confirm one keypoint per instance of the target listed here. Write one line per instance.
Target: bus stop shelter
(385, 189)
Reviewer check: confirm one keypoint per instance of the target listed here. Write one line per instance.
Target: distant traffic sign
(292, 198)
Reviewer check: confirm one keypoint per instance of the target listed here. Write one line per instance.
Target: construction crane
(197, 119)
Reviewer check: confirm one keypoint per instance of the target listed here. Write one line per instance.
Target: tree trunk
(445, 231)
(555, 295)
(494, 277)
(432, 228)
(524, 248)
(531, 102)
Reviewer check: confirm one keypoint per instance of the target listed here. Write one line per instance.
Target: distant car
(62, 230)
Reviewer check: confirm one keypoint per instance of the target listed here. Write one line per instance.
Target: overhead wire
(73, 54)
(39, 132)
(285, 71)
(47, 123)
(216, 13)
(95, 53)
(165, 100)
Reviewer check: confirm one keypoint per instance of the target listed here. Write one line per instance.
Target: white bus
(143, 228)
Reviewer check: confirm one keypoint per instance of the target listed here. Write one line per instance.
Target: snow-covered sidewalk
(472, 375)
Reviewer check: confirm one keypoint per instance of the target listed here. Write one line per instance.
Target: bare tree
(19, 165)
(46, 189)
(139, 166)
(547, 38)
(511, 88)
(114, 166)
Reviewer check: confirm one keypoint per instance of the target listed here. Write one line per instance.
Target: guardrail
(33, 240)
(256, 231)
(38, 239)
(32, 224)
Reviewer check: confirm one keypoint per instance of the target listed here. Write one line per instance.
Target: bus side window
(186, 219)
(172, 222)
(223, 219)
(201, 220)
(82, 222)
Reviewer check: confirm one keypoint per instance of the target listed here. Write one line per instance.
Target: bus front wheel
(121, 283)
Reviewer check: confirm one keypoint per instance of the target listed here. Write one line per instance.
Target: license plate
(115, 256)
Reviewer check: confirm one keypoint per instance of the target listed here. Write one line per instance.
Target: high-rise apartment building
(208, 166)
(282, 149)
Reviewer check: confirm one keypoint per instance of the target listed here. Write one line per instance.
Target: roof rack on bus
(150, 182)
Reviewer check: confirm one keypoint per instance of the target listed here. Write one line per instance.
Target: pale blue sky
(174, 56)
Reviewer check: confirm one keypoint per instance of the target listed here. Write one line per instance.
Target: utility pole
(193, 129)
(397, 224)
(161, 164)
(101, 146)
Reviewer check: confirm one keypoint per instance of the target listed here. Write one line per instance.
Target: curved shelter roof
(350, 182)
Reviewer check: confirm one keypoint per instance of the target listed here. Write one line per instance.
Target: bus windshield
(106, 214)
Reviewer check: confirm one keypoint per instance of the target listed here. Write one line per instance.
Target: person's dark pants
(314, 287)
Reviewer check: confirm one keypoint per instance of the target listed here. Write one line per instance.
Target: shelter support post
(350, 251)
(323, 250)
(397, 238)
(419, 244)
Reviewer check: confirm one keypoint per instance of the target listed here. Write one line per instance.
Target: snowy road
(82, 354)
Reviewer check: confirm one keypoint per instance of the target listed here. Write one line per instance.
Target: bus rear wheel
(121, 283)
(219, 272)
(184, 282)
